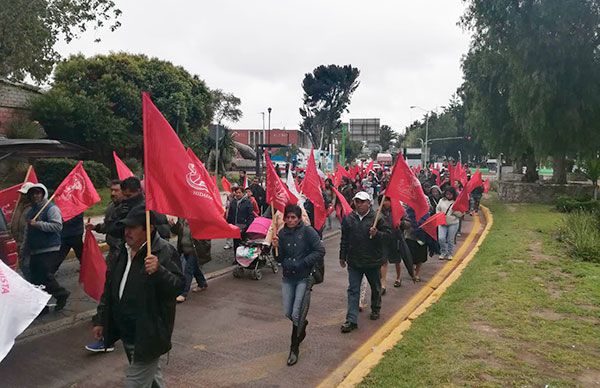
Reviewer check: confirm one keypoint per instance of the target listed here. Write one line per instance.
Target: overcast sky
(408, 52)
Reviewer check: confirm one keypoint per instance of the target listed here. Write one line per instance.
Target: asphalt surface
(233, 334)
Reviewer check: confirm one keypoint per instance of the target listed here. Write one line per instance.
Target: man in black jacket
(259, 194)
(240, 213)
(138, 303)
(360, 250)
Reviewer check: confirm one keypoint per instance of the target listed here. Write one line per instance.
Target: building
(14, 99)
(252, 137)
(364, 130)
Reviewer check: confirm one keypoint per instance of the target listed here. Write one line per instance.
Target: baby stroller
(253, 254)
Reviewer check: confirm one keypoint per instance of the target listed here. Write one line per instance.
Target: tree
(226, 106)
(96, 102)
(591, 168)
(386, 135)
(30, 29)
(552, 65)
(327, 93)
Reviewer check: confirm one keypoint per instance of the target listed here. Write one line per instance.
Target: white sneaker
(226, 246)
(449, 257)
(442, 257)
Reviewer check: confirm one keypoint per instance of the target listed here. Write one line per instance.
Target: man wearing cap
(138, 303)
(360, 250)
(42, 243)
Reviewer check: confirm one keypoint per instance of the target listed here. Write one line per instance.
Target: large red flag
(210, 182)
(486, 186)
(123, 172)
(342, 207)
(397, 212)
(92, 273)
(462, 201)
(226, 185)
(174, 184)
(311, 187)
(8, 200)
(430, 226)
(76, 193)
(277, 192)
(405, 187)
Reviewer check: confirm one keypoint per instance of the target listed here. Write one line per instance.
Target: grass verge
(99, 208)
(523, 313)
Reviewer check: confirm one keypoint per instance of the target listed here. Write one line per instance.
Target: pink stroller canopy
(259, 227)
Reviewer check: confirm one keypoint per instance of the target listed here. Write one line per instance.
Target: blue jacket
(45, 235)
(299, 250)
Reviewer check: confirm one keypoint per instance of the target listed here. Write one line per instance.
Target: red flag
(210, 182)
(8, 200)
(226, 185)
(418, 169)
(369, 168)
(76, 193)
(397, 212)
(174, 184)
(277, 192)
(452, 173)
(405, 187)
(438, 180)
(92, 273)
(462, 201)
(430, 226)
(342, 207)
(123, 172)
(486, 186)
(460, 174)
(312, 189)
(31, 176)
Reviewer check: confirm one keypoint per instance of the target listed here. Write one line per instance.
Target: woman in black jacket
(300, 248)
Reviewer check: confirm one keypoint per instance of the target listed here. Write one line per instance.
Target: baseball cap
(362, 195)
(25, 188)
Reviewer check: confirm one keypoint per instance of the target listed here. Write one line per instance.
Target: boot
(302, 333)
(294, 348)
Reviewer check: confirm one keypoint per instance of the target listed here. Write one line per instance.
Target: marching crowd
(143, 285)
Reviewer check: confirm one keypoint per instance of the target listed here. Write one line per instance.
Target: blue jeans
(447, 238)
(191, 270)
(293, 293)
(355, 276)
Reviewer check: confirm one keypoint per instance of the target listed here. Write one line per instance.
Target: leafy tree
(30, 29)
(353, 150)
(96, 102)
(327, 93)
(226, 106)
(591, 168)
(550, 50)
(386, 135)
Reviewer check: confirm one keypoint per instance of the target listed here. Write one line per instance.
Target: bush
(24, 129)
(568, 205)
(581, 233)
(51, 172)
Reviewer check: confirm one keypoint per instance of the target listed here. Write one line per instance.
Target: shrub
(568, 205)
(24, 129)
(581, 234)
(51, 172)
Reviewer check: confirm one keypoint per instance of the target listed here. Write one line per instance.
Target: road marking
(352, 371)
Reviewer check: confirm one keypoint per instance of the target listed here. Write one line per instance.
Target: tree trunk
(595, 183)
(531, 175)
(560, 172)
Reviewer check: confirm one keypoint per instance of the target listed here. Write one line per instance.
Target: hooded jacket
(45, 235)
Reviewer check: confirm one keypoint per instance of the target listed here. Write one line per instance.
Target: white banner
(20, 304)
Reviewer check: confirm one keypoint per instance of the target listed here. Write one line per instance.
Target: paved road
(234, 334)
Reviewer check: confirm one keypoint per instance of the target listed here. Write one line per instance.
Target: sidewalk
(235, 334)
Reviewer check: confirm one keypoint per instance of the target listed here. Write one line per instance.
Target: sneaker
(347, 327)
(61, 301)
(226, 246)
(374, 316)
(98, 347)
(180, 299)
(449, 257)
(199, 289)
(442, 257)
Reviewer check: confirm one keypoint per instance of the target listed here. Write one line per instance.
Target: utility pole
(269, 110)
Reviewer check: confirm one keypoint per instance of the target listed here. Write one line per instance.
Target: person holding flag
(42, 243)
(447, 233)
(360, 251)
(138, 302)
(114, 244)
(240, 213)
(18, 223)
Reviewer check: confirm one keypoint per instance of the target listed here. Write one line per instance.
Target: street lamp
(263, 132)
(269, 110)
(425, 157)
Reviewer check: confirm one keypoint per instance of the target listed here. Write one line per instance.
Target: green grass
(99, 208)
(523, 313)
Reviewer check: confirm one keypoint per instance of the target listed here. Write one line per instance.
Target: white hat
(25, 188)
(362, 195)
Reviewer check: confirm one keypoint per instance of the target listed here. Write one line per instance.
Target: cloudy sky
(408, 52)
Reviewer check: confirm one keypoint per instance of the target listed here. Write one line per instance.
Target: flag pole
(378, 213)
(274, 225)
(43, 207)
(148, 235)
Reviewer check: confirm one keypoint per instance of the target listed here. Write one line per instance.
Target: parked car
(8, 245)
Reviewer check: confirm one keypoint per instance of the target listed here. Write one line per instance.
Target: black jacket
(299, 250)
(259, 194)
(145, 314)
(240, 213)
(73, 227)
(356, 248)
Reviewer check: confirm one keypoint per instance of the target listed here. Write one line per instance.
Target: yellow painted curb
(353, 370)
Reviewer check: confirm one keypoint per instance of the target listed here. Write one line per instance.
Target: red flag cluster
(405, 187)
(175, 184)
(462, 201)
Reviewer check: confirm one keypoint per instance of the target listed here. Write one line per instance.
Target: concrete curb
(59, 324)
(354, 369)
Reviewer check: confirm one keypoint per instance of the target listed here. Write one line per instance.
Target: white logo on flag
(194, 180)
(77, 185)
